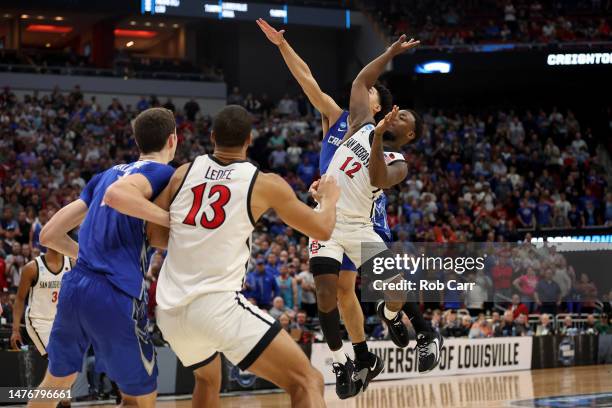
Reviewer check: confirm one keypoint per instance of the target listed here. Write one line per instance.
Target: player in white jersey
(363, 169)
(334, 124)
(214, 204)
(40, 282)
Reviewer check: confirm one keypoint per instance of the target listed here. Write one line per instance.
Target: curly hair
(386, 101)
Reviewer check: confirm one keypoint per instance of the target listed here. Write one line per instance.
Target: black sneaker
(367, 371)
(347, 383)
(429, 345)
(397, 329)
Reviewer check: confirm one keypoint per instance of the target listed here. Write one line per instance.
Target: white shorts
(39, 331)
(347, 238)
(221, 322)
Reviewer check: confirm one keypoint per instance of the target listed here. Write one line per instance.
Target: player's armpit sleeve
(158, 176)
(88, 191)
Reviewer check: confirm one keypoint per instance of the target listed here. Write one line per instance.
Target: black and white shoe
(429, 345)
(366, 372)
(347, 382)
(397, 329)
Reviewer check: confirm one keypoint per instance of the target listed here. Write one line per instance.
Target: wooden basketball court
(587, 386)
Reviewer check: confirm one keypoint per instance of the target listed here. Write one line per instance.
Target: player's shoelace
(423, 350)
(340, 371)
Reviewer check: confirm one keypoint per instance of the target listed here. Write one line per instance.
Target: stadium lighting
(434, 67)
(48, 45)
(58, 18)
(40, 17)
(162, 24)
(48, 28)
(25, 16)
(148, 23)
(119, 32)
(132, 23)
(129, 44)
(175, 25)
(7, 16)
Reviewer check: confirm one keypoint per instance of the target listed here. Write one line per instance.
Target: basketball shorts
(347, 238)
(220, 322)
(39, 331)
(93, 312)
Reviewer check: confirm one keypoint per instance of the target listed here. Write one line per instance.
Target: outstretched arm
(381, 174)
(54, 234)
(301, 72)
(271, 191)
(360, 111)
(130, 196)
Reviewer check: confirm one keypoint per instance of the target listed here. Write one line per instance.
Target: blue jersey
(332, 140)
(111, 243)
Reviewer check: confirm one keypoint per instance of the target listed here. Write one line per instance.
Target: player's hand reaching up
(384, 124)
(327, 190)
(401, 45)
(275, 36)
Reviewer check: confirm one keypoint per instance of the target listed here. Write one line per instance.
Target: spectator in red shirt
(502, 276)
(517, 307)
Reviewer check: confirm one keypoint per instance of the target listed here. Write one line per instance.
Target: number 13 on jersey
(219, 195)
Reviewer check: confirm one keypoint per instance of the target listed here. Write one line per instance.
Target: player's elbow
(47, 235)
(112, 196)
(323, 232)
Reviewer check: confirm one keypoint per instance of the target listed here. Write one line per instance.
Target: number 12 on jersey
(223, 195)
(354, 168)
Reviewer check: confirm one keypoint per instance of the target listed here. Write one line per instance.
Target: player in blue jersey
(335, 125)
(103, 300)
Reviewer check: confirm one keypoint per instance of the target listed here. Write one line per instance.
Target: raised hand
(384, 124)
(401, 45)
(275, 36)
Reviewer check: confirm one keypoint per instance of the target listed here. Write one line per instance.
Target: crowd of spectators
(473, 177)
(492, 21)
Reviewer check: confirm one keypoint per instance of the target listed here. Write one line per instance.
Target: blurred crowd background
(482, 176)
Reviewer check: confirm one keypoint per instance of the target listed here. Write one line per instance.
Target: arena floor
(560, 387)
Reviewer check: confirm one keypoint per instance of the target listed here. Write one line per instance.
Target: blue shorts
(348, 265)
(93, 312)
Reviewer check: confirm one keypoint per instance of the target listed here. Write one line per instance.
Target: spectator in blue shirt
(142, 104)
(548, 294)
(525, 215)
(273, 264)
(306, 171)
(261, 286)
(543, 213)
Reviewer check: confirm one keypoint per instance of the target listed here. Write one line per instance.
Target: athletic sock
(339, 356)
(363, 357)
(389, 314)
(416, 318)
(330, 324)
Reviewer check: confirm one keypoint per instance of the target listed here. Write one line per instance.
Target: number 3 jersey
(42, 303)
(350, 167)
(210, 231)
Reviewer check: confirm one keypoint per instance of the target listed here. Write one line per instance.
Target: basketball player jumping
(363, 170)
(214, 204)
(103, 299)
(335, 126)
